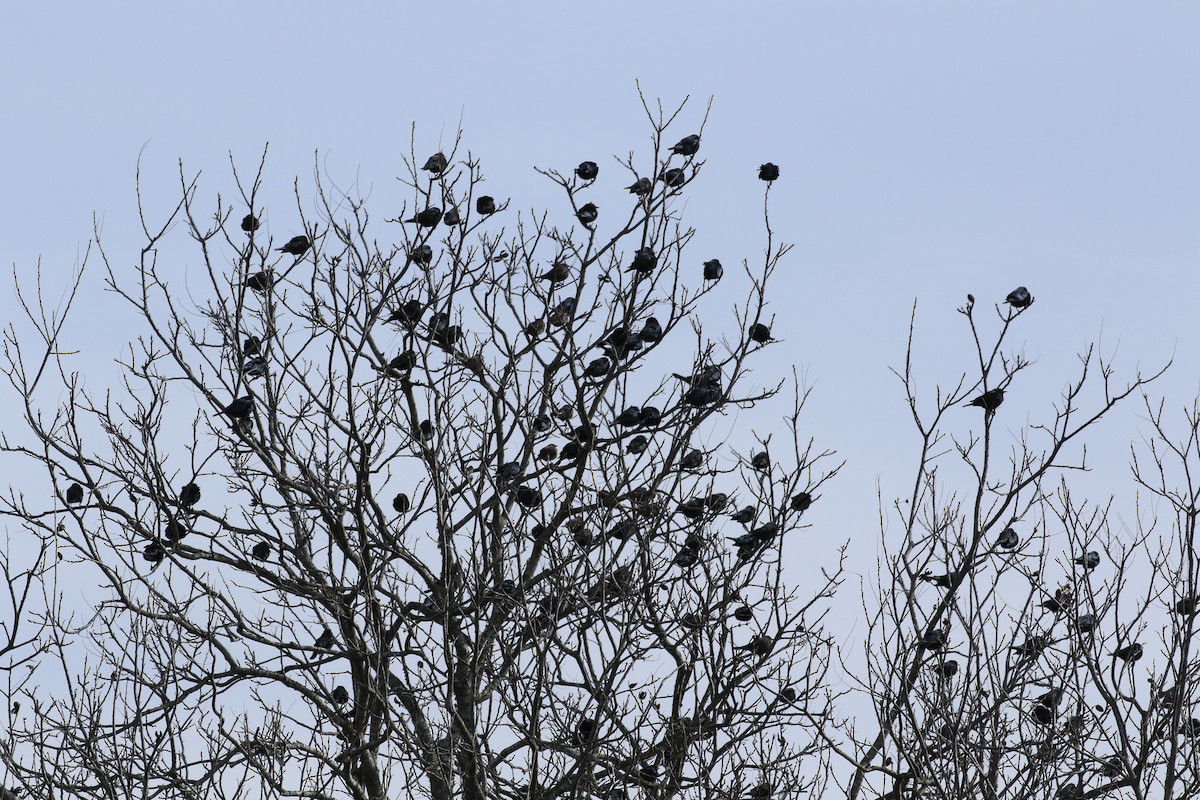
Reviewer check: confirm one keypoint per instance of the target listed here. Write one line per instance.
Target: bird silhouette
(759, 646)
(644, 261)
(587, 170)
(801, 502)
(744, 515)
(261, 551)
(421, 254)
(687, 146)
(692, 460)
(154, 552)
(640, 187)
(651, 416)
(944, 581)
(325, 641)
(674, 177)
(296, 246)
(1187, 606)
(244, 426)
(743, 613)
(694, 508)
(485, 205)
(548, 453)
(761, 791)
(404, 362)
(401, 504)
(597, 368)
(74, 494)
(687, 556)
(241, 408)
(1031, 647)
(631, 417)
(990, 400)
(542, 423)
(252, 346)
(340, 695)
(713, 270)
(1056, 604)
(946, 669)
(637, 445)
(760, 333)
(1008, 539)
(260, 281)
(1019, 298)
(255, 367)
(249, 223)
(435, 164)
(429, 218)
(528, 497)
(702, 395)
(559, 271)
(175, 530)
(587, 213)
(933, 640)
(1089, 560)
(1128, 653)
(1085, 623)
(189, 495)
(761, 461)
(651, 332)
(425, 431)
(509, 471)
(768, 172)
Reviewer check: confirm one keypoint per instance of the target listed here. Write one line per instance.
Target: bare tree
(433, 516)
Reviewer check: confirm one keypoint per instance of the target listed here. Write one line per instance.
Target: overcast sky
(927, 149)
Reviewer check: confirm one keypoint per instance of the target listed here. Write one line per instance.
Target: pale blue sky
(928, 150)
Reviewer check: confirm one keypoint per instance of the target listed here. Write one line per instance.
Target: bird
(946, 669)
(175, 530)
(404, 362)
(241, 408)
(651, 416)
(686, 557)
(189, 495)
(564, 312)
(990, 400)
(713, 270)
(743, 613)
(252, 346)
(1088, 561)
(451, 217)
(1031, 647)
(687, 146)
(548, 453)
(933, 640)
(260, 281)
(702, 395)
(429, 218)
(759, 645)
(485, 205)
(631, 417)
(640, 187)
(154, 552)
(249, 223)
(509, 471)
(542, 423)
(943, 581)
(422, 254)
(598, 368)
(707, 374)
(1019, 298)
(1008, 539)
(243, 426)
(401, 504)
(261, 551)
(254, 367)
(559, 271)
(651, 332)
(1055, 604)
(674, 177)
(761, 791)
(801, 502)
(637, 445)
(528, 497)
(1187, 606)
(587, 213)
(693, 508)
(1112, 766)
(761, 461)
(760, 333)
(716, 502)
(768, 172)
(296, 246)
(425, 430)
(435, 164)
(325, 641)
(693, 459)
(340, 695)
(1085, 623)
(74, 494)
(1128, 653)
(587, 170)
(644, 261)
(744, 515)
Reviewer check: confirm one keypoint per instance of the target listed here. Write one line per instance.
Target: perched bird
(687, 146)
(651, 332)
(760, 333)
(587, 170)
(74, 494)
(693, 459)
(154, 552)
(760, 646)
(637, 445)
(421, 254)
(548, 453)
(189, 495)
(261, 551)
(340, 695)
(644, 261)
(296, 246)
(1085, 623)
(801, 502)
(249, 223)
(693, 508)
(944, 581)
(244, 426)
(1112, 767)
(509, 471)
(535, 329)
(713, 270)
(559, 271)
(485, 205)
(241, 408)
(651, 416)
(325, 641)
(587, 213)
(1128, 653)
(1089, 560)
(705, 394)
(252, 346)
(674, 177)
(946, 669)
(528, 497)
(260, 281)
(761, 791)
(990, 400)
(542, 423)
(175, 530)
(435, 164)
(451, 217)
(1008, 539)
(761, 461)
(1187, 606)
(598, 368)
(640, 187)
(1031, 647)
(401, 503)
(429, 218)
(564, 312)
(1044, 708)
(686, 557)
(933, 640)
(744, 515)
(255, 367)
(768, 172)
(631, 417)
(403, 362)
(1058, 602)
(425, 431)
(743, 613)
(1019, 298)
